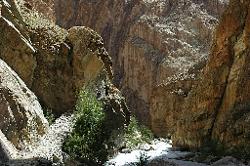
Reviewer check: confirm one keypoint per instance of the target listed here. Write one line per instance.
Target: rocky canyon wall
(160, 51)
(53, 62)
(217, 109)
(152, 43)
(38, 56)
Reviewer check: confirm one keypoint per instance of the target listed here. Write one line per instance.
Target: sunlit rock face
(217, 109)
(53, 62)
(21, 119)
(60, 74)
(151, 44)
(44, 7)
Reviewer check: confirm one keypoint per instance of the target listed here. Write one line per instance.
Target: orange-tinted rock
(217, 110)
(150, 42)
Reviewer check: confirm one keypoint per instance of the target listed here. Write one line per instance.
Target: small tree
(86, 143)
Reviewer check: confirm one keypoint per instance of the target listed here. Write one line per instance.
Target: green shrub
(90, 140)
(49, 116)
(86, 143)
(136, 134)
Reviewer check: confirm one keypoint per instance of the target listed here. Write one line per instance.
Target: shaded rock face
(59, 76)
(45, 7)
(150, 42)
(117, 115)
(21, 119)
(217, 109)
(115, 107)
(53, 62)
(14, 45)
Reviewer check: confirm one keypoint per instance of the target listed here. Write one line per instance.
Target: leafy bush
(136, 134)
(49, 116)
(86, 143)
(90, 140)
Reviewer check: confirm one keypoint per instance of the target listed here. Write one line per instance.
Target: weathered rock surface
(54, 63)
(217, 109)
(228, 161)
(150, 43)
(21, 119)
(117, 115)
(115, 107)
(44, 7)
(60, 75)
(14, 45)
(159, 49)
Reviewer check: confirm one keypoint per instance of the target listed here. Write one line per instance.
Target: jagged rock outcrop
(150, 42)
(54, 63)
(217, 109)
(14, 45)
(59, 76)
(21, 119)
(117, 113)
(43, 7)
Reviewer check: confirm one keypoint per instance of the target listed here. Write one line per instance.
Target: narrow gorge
(75, 76)
(152, 43)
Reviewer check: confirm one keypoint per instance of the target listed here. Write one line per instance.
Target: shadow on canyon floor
(27, 162)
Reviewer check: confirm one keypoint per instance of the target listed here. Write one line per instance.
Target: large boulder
(21, 116)
(59, 76)
(53, 62)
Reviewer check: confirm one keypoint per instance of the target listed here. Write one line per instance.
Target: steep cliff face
(160, 47)
(150, 42)
(43, 7)
(217, 109)
(53, 62)
(21, 119)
